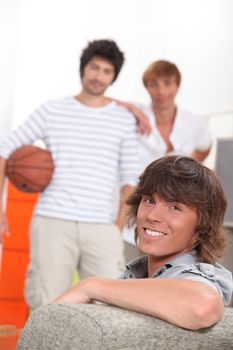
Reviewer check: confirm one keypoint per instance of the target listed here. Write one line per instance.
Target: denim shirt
(186, 266)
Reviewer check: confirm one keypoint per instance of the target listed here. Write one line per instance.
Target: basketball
(30, 168)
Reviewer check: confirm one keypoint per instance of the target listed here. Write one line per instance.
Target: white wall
(195, 34)
(9, 28)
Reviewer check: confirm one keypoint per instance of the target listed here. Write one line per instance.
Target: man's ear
(136, 236)
(195, 239)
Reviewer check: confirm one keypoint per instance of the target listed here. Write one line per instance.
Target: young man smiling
(175, 223)
(94, 144)
(178, 207)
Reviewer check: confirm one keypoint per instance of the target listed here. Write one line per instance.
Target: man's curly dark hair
(106, 49)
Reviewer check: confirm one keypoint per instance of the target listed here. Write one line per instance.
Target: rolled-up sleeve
(203, 135)
(215, 276)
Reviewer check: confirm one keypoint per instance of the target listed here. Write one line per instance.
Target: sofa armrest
(102, 327)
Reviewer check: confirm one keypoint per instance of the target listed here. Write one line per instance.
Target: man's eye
(168, 81)
(108, 72)
(175, 207)
(152, 84)
(148, 200)
(94, 67)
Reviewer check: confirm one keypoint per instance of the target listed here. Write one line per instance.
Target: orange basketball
(30, 168)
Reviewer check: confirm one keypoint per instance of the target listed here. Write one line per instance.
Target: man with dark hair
(178, 207)
(94, 145)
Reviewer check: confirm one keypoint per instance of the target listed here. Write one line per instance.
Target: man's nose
(156, 213)
(160, 90)
(99, 75)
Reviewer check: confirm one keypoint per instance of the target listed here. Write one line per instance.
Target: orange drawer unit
(15, 257)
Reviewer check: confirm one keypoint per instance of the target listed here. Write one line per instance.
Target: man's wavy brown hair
(184, 180)
(161, 68)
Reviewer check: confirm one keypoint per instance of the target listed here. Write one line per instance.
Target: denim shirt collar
(138, 268)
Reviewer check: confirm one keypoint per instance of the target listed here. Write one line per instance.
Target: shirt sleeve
(216, 277)
(31, 130)
(203, 139)
(129, 158)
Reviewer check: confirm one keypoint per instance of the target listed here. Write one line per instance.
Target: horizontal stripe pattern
(94, 150)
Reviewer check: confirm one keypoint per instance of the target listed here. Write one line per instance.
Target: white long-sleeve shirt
(92, 148)
(189, 133)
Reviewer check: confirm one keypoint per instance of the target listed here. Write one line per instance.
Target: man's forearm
(185, 303)
(122, 212)
(3, 221)
(2, 179)
(200, 155)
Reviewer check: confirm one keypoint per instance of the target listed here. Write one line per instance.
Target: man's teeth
(154, 233)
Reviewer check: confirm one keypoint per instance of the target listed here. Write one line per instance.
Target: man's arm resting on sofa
(184, 303)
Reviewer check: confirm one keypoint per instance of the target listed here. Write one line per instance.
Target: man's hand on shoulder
(143, 124)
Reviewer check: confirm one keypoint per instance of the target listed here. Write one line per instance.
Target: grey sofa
(103, 327)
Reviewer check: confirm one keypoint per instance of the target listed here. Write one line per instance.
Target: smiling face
(98, 74)
(162, 90)
(165, 229)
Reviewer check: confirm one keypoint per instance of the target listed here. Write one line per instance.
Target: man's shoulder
(193, 121)
(121, 110)
(185, 114)
(54, 105)
(62, 101)
(122, 114)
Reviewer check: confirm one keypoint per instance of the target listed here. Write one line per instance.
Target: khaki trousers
(59, 247)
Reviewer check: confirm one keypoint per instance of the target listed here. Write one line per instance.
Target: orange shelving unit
(15, 257)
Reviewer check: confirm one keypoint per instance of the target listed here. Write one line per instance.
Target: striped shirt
(93, 149)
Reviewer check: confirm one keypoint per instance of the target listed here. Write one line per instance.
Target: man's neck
(165, 116)
(154, 265)
(92, 100)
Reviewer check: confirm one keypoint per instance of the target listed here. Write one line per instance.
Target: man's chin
(96, 92)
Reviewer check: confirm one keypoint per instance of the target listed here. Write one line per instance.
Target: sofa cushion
(104, 327)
